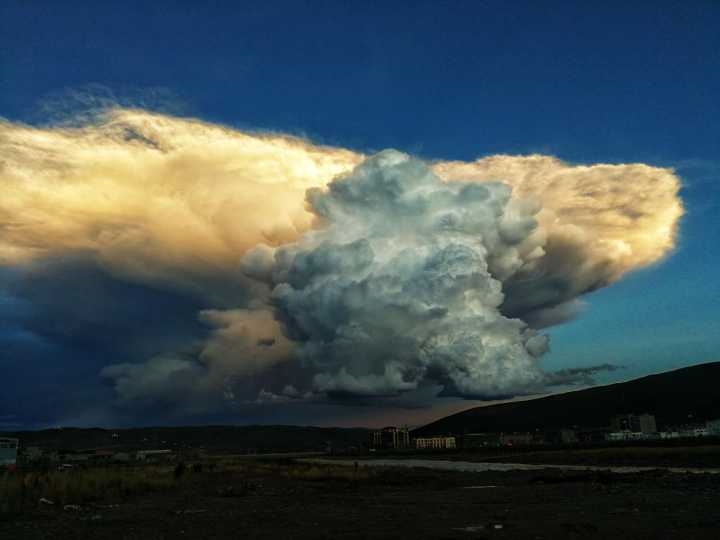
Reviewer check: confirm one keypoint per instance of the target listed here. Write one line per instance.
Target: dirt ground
(284, 501)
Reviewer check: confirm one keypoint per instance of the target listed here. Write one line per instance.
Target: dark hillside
(676, 397)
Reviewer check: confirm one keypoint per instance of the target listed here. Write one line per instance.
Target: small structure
(8, 451)
(154, 455)
(121, 457)
(435, 443)
(102, 455)
(391, 438)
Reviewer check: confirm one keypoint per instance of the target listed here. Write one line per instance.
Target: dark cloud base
(63, 319)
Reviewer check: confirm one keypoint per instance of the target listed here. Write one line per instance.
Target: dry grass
(289, 468)
(21, 491)
(325, 473)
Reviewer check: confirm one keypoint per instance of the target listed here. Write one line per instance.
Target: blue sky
(587, 82)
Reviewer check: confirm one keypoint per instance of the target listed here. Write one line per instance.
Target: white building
(391, 438)
(435, 442)
(8, 451)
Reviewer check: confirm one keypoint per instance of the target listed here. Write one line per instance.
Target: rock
(189, 511)
(470, 528)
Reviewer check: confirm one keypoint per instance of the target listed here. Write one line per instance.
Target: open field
(282, 499)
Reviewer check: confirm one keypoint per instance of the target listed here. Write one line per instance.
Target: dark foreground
(290, 500)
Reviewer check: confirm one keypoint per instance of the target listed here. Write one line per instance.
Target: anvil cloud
(322, 271)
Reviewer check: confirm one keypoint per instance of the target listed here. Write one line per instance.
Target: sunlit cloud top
(178, 193)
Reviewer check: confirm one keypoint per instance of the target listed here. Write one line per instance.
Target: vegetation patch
(26, 490)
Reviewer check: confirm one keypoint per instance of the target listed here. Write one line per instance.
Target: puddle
(469, 466)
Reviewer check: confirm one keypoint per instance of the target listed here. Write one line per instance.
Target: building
(102, 456)
(8, 451)
(435, 443)
(516, 439)
(635, 423)
(713, 427)
(494, 440)
(34, 453)
(76, 457)
(590, 435)
(391, 438)
(560, 436)
(481, 440)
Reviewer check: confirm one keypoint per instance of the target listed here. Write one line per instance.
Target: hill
(676, 397)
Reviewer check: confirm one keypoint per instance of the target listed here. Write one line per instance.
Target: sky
(158, 326)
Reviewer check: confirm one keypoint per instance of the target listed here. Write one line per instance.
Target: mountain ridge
(681, 396)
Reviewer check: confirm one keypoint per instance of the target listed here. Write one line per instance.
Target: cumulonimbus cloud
(179, 203)
(400, 284)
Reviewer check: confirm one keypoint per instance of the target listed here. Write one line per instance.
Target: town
(622, 430)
